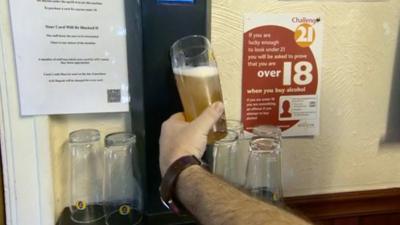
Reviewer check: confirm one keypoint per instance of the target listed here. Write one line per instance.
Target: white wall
(358, 58)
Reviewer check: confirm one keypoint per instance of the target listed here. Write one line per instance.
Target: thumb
(209, 117)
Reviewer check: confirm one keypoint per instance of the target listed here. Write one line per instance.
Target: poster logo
(304, 35)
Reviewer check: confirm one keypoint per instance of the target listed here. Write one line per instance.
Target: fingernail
(218, 106)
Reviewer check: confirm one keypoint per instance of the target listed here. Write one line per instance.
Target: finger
(209, 116)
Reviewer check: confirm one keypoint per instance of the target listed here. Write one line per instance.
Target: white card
(70, 55)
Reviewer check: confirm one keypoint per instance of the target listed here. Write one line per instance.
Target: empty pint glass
(197, 79)
(86, 176)
(263, 175)
(225, 157)
(122, 194)
(240, 153)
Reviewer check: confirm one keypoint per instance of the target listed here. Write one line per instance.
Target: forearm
(213, 202)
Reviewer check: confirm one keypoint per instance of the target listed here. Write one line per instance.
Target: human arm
(214, 202)
(209, 199)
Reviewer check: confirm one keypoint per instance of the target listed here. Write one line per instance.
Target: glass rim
(122, 138)
(228, 139)
(234, 124)
(84, 136)
(274, 146)
(182, 39)
(267, 130)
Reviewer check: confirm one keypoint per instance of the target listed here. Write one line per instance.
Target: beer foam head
(199, 71)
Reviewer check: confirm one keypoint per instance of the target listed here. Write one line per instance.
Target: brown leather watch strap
(168, 183)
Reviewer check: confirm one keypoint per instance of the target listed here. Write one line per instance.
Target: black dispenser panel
(176, 1)
(152, 27)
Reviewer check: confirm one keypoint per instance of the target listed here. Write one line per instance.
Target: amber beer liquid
(198, 88)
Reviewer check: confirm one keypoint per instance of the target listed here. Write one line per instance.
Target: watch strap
(168, 183)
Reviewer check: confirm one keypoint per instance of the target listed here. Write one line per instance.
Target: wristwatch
(168, 183)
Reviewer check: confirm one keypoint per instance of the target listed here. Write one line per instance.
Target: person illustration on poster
(286, 109)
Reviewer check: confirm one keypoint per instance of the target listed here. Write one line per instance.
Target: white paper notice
(70, 55)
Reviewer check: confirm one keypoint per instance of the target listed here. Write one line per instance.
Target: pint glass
(197, 79)
(225, 157)
(122, 194)
(86, 176)
(263, 175)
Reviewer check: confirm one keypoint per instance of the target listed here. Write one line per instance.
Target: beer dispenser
(152, 27)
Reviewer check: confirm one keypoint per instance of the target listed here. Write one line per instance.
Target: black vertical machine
(152, 27)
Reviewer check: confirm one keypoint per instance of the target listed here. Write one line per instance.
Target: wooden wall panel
(346, 221)
(324, 222)
(388, 219)
(376, 207)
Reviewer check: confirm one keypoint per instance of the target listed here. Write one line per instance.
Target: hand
(180, 138)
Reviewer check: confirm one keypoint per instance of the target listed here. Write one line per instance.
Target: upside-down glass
(241, 152)
(268, 131)
(197, 79)
(243, 155)
(263, 176)
(86, 176)
(123, 203)
(235, 125)
(225, 157)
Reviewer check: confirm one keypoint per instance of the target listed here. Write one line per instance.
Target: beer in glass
(197, 79)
